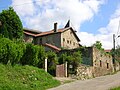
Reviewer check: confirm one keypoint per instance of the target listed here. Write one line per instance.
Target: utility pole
(114, 49)
(114, 65)
(113, 55)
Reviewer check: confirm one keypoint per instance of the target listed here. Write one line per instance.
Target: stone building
(94, 62)
(58, 38)
(102, 63)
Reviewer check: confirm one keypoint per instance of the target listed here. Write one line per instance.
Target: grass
(25, 78)
(117, 88)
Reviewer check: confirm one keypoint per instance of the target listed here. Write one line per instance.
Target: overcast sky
(93, 19)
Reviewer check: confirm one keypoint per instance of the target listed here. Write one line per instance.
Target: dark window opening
(68, 41)
(40, 41)
(74, 43)
(107, 65)
(63, 39)
(100, 63)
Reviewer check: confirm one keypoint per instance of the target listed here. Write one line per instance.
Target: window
(63, 39)
(68, 41)
(40, 41)
(100, 63)
(73, 43)
(107, 65)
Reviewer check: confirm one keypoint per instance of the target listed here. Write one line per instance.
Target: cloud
(41, 14)
(24, 7)
(105, 33)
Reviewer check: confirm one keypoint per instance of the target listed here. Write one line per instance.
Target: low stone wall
(84, 72)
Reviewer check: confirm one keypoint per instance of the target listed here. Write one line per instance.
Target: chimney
(55, 27)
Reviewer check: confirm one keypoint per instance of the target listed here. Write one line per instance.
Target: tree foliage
(17, 52)
(11, 24)
(10, 51)
(73, 59)
(33, 55)
(98, 45)
(117, 52)
(52, 62)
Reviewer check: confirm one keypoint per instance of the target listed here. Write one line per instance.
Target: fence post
(46, 64)
(66, 69)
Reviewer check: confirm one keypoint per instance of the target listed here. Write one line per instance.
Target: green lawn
(117, 88)
(25, 78)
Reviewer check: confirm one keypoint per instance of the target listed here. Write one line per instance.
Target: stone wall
(28, 38)
(68, 40)
(53, 39)
(117, 65)
(96, 63)
(84, 72)
(102, 63)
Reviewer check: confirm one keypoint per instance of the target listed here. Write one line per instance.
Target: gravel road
(98, 83)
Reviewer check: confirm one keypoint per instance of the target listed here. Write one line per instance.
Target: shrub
(52, 61)
(10, 51)
(4, 42)
(33, 55)
(73, 59)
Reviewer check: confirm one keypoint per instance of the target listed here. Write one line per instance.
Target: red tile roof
(52, 47)
(107, 50)
(51, 32)
(28, 33)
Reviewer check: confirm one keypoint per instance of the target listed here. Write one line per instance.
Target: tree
(10, 51)
(73, 59)
(11, 24)
(52, 62)
(98, 45)
(33, 55)
(117, 52)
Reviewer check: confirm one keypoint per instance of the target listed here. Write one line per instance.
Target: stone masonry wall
(28, 38)
(96, 63)
(84, 72)
(102, 63)
(68, 40)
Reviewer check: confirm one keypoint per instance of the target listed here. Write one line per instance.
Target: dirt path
(98, 83)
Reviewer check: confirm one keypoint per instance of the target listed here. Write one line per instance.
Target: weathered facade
(102, 63)
(99, 60)
(94, 63)
(68, 40)
(61, 38)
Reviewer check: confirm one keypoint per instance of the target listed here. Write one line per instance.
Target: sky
(94, 20)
